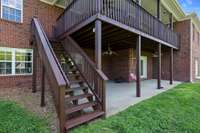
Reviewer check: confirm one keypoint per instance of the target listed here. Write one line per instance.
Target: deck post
(98, 44)
(171, 65)
(159, 50)
(159, 67)
(34, 78)
(43, 87)
(158, 10)
(171, 54)
(138, 66)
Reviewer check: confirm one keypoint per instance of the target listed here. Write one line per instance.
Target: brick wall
(132, 62)
(182, 56)
(123, 64)
(195, 50)
(17, 35)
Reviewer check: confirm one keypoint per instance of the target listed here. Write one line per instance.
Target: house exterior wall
(122, 64)
(18, 35)
(182, 56)
(132, 63)
(195, 44)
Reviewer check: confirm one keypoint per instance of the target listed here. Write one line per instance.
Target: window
(15, 61)
(197, 69)
(5, 62)
(193, 27)
(12, 10)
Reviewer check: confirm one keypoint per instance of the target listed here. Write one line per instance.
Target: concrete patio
(120, 96)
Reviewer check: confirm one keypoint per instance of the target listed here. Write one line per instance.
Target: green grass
(175, 111)
(15, 119)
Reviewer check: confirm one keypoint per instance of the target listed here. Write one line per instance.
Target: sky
(190, 6)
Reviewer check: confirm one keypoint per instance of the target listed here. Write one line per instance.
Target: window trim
(13, 62)
(197, 76)
(22, 7)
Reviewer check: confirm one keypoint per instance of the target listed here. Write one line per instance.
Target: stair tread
(80, 107)
(72, 98)
(75, 88)
(83, 119)
(76, 81)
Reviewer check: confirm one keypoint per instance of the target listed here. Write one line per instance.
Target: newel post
(34, 77)
(43, 87)
(61, 98)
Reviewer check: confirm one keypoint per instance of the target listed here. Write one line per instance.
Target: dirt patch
(31, 101)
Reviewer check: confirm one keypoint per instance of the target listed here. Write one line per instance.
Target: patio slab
(119, 96)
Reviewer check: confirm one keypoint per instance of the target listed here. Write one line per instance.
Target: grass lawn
(175, 111)
(15, 119)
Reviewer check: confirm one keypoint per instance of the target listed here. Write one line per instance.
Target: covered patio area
(120, 96)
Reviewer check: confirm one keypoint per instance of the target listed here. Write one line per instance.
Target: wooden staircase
(78, 90)
(82, 106)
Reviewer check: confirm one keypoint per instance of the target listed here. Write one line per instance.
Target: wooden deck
(125, 14)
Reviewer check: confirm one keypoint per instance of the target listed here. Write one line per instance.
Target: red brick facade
(123, 64)
(195, 44)
(17, 35)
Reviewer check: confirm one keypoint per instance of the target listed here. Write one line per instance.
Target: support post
(98, 44)
(171, 65)
(34, 78)
(138, 67)
(159, 67)
(158, 10)
(159, 49)
(43, 87)
(171, 53)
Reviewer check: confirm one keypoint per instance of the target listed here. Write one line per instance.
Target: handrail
(91, 63)
(126, 12)
(94, 78)
(48, 51)
(57, 79)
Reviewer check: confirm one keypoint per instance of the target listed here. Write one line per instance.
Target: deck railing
(75, 13)
(94, 78)
(124, 11)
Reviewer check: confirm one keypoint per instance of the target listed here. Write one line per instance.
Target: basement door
(143, 73)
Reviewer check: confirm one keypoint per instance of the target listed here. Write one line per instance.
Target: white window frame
(197, 76)
(144, 59)
(7, 61)
(13, 50)
(22, 7)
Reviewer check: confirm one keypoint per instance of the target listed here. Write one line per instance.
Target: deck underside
(117, 38)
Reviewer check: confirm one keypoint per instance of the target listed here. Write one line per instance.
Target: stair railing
(56, 77)
(94, 78)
